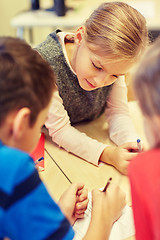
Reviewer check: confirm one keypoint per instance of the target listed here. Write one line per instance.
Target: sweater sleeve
(68, 137)
(121, 128)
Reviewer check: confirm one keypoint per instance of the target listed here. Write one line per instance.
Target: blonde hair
(118, 30)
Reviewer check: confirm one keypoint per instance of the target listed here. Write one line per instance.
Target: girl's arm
(121, 127)
(68, 137)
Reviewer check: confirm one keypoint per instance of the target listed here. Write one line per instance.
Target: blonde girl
(90, 66)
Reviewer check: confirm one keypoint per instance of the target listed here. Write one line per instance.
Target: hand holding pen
(107, 185)
(108, 205)
(38, 160)
(39, 168)
(139, 145)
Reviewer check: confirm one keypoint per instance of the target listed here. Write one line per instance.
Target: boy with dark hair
(26, 209)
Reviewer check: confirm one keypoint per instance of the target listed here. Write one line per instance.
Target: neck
(71, 49)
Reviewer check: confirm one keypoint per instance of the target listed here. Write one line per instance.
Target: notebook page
(122, 228)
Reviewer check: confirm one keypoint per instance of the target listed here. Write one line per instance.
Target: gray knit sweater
(80, 104)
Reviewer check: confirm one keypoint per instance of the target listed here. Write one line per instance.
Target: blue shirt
(27, 212)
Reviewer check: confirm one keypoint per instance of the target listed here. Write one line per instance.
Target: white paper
(122, 228)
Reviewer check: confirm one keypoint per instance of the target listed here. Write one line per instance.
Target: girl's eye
(115, 76)
(99, 68)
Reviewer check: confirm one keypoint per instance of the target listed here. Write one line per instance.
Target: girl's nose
(104, 80)
(100, 80)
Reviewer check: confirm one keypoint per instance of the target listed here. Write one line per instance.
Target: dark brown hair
(26, 80)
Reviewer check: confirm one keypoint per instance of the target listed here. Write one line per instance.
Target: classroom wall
(9, 8)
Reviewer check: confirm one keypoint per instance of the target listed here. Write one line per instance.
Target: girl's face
(93, 71)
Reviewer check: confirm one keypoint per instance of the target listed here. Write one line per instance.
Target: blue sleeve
(28, 211)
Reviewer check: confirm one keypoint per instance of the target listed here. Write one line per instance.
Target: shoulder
(14, 156)
(51, 47)
(16, 166)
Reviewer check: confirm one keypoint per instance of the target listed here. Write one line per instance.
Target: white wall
(8, 9)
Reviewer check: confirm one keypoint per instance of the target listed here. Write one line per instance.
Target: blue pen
(139, 145)
(38, 160)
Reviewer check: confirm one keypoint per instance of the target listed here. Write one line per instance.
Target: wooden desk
(53, 178)
(76, 170)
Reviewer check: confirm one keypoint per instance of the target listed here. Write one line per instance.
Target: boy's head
(147, 89)
(26, 85)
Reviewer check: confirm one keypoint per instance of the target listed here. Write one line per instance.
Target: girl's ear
(79, 35)
(21, 122)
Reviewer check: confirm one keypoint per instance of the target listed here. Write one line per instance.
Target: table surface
(62, 168)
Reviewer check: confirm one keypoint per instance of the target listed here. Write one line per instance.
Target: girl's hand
(74, 201)
(120, 156)
(133, 147)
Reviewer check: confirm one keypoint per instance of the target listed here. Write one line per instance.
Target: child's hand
(116, 201)
(74, 201)
(132, 147)
(120, 156)
(106, 209)
(81, 203)
(112, 202)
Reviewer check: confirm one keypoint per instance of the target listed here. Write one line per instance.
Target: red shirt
(144, 174)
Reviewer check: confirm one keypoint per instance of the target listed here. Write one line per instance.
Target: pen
(139, 145)
(38, 160)
(105, 188)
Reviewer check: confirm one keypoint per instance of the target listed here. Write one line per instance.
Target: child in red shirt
(144, 170)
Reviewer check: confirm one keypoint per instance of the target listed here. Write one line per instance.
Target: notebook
(123, 228)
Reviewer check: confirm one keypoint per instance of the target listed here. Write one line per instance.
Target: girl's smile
(92, 86)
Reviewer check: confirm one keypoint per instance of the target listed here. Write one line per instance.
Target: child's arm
(119, 157)
(79, 143)
(106, 208)
(74, 201)
(121, 128)
(69, 137)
